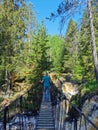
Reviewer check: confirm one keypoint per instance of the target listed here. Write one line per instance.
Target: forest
(26, 50)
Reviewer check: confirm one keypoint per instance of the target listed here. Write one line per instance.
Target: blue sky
(44, 8)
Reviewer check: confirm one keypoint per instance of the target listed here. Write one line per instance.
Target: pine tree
(55, 51)
(40, 54)
(13, 17)
(85, 53)
(93, 43)
(71, 47)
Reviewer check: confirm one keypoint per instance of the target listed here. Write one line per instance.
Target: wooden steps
(45, 119)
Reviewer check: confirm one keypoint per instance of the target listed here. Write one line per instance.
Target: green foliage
(70, 54)
(40, 55)
(55, 51)
(26, 50)
(95, 20)
(1, 99)
(75, 100)
(77, 72)
(14, 37)
(89, 87)
(85, 53)
(37, 91)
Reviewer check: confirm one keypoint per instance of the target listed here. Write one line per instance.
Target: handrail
(75, 122)
(14, 108)
(81, 113)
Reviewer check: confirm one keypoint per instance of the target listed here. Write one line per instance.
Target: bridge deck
(45, 120)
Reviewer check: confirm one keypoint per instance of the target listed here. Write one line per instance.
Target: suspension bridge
(51, 116)
(45, 120)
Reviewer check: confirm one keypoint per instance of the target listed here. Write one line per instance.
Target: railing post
(21, 104)
(75, 124)
(5, 117)
(85, 124)
(21, 111)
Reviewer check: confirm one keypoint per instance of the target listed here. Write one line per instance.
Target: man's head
(47, 73)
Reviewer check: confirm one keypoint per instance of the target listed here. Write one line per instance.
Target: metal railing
(18, 113)
(22, 106)
(76, 121)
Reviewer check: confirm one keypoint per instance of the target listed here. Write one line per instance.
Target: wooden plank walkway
(45, 120)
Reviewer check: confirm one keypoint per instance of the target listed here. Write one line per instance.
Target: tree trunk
(94, 50)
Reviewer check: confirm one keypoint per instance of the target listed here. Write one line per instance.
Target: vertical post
(75, 123)
(21, 126)
(5, 118)
(85, 123)
(21, 104)
(60, 116)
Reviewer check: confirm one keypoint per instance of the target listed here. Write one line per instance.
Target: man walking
(46, 84)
